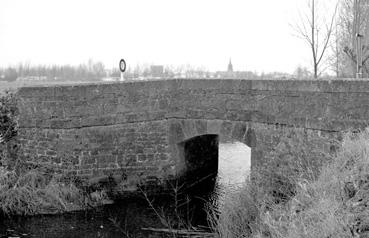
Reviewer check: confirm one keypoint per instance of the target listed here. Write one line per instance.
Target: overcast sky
(255, 33)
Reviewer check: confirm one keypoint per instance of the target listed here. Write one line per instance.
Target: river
(125, 218)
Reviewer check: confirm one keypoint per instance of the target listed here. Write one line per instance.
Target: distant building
(230, 66)
(157, 71)
(234, 74)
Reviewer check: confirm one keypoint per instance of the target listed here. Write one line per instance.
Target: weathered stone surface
(136, 129)
(214, 126)
(239, 130)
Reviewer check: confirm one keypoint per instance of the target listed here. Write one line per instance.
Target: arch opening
(211, 168)
(200, 156)
(208, 155)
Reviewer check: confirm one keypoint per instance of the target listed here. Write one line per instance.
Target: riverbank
(180, 212)
(331, 204)
(39, 190)
(115, 220)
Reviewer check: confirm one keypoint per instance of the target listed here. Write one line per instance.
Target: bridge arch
(187, 131)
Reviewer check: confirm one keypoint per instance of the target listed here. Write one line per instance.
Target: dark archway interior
(201, 169)
(201, 156)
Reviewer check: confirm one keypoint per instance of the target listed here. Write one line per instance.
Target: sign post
(122, 68)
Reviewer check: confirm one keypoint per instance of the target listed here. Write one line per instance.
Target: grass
(33, 193)
(30, 189)
(332, 203)
(41, 190)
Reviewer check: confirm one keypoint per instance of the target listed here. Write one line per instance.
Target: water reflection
(234, 164)
(233, 171)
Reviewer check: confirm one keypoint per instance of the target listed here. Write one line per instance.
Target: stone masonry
(137, 129)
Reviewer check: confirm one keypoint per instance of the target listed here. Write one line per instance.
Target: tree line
(89, 71)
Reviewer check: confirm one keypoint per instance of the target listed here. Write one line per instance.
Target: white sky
(254, 33)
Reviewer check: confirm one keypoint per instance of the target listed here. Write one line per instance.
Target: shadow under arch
(188, 131)
(200, 155)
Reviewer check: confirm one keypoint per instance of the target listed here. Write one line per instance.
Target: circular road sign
(122, 65)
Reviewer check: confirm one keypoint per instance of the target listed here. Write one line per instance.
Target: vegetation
(331, 204)
(33, 193)
(351, 47)
(316, 29)
(29, 189)
(336, 33)
(88, 71)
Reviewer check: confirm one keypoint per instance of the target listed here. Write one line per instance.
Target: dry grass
(32, 193)
(332, 204)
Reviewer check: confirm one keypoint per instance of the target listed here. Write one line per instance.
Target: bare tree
(316, 30)
(353, 28)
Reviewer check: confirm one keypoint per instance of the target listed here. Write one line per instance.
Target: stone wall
(97, 130)
(137, 128)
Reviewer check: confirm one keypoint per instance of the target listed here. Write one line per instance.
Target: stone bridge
(138, 130)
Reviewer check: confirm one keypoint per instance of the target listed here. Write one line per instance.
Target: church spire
(230, 66)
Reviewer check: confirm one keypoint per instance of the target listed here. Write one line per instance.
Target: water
(128, 216)
(234, 164)
(233, 170)
(109, 221)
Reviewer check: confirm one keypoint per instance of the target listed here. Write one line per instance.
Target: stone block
(176, 134)
(189, 128)
(238, 131)
(214, 126)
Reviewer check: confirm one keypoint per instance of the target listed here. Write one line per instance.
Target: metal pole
(122, 68)
(356, 40)
(360, 56)
(337, 55)
(356, 29)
